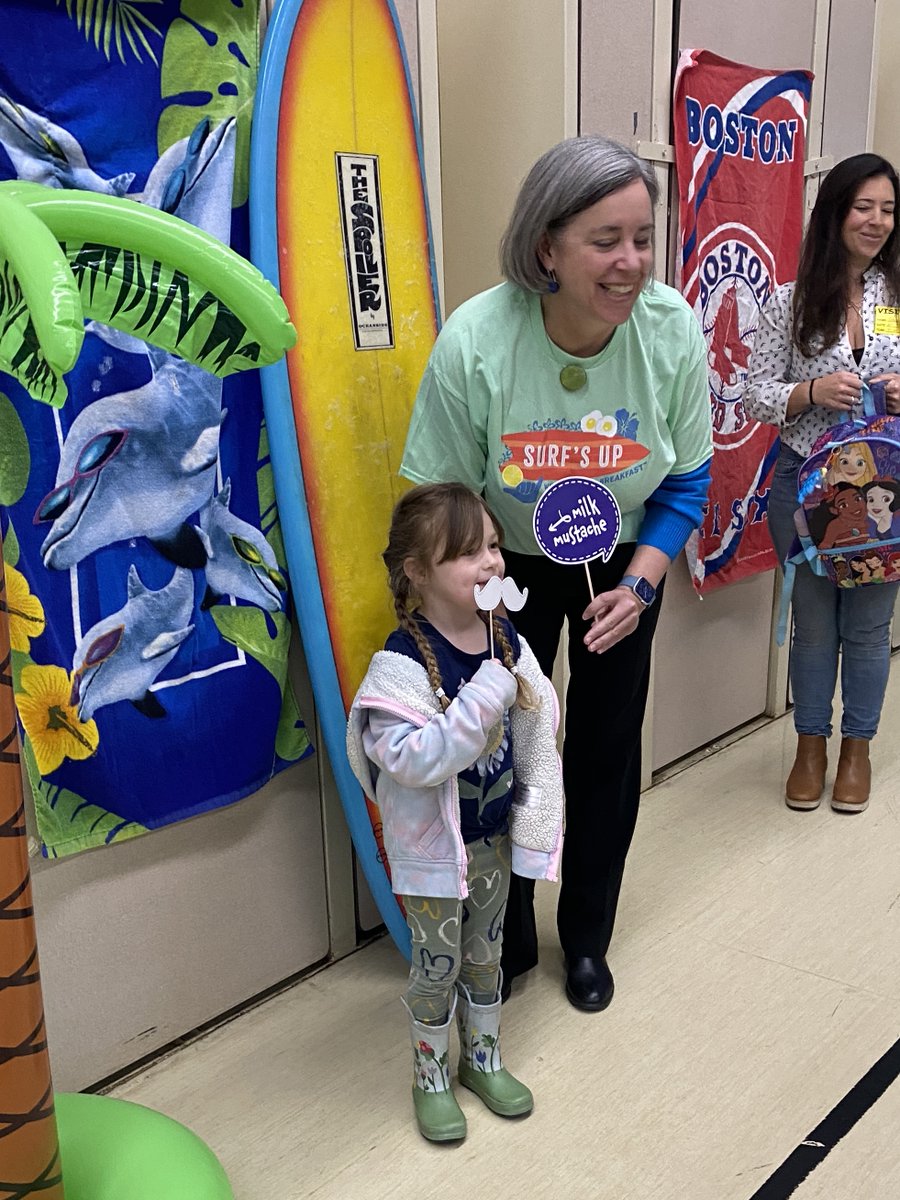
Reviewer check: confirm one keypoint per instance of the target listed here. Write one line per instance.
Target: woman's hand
(838, 391)
(613, 615)
(891, 383)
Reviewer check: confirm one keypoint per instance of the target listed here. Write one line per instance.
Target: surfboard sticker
(363, 233)
(340, 225)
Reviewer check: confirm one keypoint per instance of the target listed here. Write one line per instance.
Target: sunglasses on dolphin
(96, 453)
(251, 555)
(99, 651)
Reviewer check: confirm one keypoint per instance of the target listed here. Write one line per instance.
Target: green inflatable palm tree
(68, 255)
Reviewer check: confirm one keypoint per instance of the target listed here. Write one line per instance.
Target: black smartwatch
(642, 588)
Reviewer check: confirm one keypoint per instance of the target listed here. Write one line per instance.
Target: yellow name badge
(887, 320)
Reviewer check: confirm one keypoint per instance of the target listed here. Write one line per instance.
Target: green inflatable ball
(116, 1150)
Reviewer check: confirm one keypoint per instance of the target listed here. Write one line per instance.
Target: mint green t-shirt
(491, 411)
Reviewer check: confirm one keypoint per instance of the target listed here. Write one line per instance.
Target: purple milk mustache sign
(577, 520)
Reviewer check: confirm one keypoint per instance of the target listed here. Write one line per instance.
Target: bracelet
(812, 402)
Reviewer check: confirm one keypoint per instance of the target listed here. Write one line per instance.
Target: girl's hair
(822, 290)
(886, 485)
(567, 179)
(863, 451)
(435, 523)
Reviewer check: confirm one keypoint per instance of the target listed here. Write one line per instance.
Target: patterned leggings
(459, 939)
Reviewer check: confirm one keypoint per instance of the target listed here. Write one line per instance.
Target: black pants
(605, 703)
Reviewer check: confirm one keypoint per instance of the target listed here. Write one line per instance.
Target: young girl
(459, 751)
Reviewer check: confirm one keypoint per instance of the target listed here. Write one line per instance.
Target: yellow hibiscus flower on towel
(26, 613)
(50, 721)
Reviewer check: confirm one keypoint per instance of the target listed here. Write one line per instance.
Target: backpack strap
(874, 400)
(803, 550)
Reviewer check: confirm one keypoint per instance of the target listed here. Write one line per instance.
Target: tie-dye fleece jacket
(406, 753)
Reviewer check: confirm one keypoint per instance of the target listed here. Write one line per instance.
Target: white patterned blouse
(776, 365)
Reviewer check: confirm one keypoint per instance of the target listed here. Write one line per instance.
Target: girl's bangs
(464, 526)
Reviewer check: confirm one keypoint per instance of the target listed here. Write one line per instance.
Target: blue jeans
(827, 620)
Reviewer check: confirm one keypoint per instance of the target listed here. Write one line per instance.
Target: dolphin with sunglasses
(121, 656)
(46, 153)
(135, 464)
(240, 562)
(141, 462)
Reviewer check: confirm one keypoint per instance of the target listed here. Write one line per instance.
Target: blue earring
(553, 284)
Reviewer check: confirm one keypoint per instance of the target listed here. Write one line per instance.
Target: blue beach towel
(145, 575)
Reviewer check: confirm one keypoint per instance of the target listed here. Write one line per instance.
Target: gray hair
(567, 179)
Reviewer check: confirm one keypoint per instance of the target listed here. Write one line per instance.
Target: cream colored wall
(143, 941)
(502, 73)
(887, 81)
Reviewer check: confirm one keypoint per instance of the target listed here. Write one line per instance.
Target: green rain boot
(480, 1067)
(439, 1117)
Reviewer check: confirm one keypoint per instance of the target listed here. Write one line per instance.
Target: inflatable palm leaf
(162, 305)
(139, 270)
(41, 322)
(20, 351)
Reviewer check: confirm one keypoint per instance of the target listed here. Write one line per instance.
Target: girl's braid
(411, 625)
(526, 697)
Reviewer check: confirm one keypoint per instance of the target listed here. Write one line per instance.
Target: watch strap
(642, 588)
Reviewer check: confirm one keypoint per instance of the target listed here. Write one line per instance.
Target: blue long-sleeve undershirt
(675, 510)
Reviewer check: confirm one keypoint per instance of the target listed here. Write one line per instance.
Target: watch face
(645, 591)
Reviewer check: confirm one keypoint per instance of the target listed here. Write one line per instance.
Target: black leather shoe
(589, 984)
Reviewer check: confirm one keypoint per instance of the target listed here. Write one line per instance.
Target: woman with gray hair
(580, 364)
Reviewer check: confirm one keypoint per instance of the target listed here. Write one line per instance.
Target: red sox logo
(735, 275)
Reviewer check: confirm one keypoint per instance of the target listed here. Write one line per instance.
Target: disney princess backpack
(848, 490)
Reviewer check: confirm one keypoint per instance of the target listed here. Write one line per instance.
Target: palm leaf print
(209, 69)
(105, 20)
(67, 821)
(15, 453)
(10, 545)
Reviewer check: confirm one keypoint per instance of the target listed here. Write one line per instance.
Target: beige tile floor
(757, 966)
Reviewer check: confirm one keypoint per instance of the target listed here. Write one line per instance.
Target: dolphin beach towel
(144, 571)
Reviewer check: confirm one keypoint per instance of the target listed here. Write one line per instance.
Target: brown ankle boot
(807, 778)
(854, 776)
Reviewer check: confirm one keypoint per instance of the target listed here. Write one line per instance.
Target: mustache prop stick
(577, 520)
(496, 589)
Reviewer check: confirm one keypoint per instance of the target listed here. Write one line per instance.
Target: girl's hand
(891, 390)
(838, 391)
(498, 677)
(614, 615)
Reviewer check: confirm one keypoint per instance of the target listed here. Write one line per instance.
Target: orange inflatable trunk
(29, 1148)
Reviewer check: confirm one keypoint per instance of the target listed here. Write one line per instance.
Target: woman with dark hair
(578, 365)
(819, 338)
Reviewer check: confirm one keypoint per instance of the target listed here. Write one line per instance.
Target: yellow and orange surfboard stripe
(351, 407)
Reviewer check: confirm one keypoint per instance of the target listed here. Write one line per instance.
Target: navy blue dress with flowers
(485, 788)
